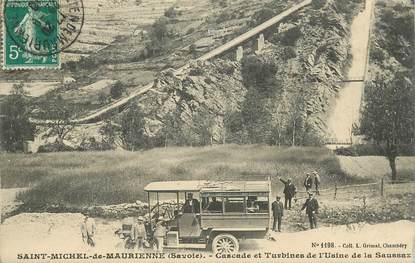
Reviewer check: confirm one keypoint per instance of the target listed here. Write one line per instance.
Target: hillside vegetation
(393, 44)
(83, 179)
(279, 96)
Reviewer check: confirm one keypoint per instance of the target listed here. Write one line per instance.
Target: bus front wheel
(225, 244)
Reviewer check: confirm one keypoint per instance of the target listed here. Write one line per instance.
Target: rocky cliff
(205, 93)
(306, 57)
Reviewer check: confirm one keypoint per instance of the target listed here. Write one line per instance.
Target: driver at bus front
(191, 205)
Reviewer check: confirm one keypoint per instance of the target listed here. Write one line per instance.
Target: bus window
(263, 204)
(257, 204)
(235, 205)
(214, 205)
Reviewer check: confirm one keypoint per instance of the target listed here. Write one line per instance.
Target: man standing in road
(317, 182)
(277, 213)
(308, 182)
(88, 229)
(289, 192)
(159, 234)
(139, 233)
(311, 209)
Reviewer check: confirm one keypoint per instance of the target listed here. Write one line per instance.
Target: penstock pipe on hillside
(95, 116)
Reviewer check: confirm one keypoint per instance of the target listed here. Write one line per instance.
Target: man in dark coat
(308, 182)
(289, 192)
(277, 213)
(311, 209)
(317, 182)
(191, 205)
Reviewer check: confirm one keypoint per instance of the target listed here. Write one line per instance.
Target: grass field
(95, 178)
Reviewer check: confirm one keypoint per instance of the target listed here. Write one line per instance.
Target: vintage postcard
(207, 131)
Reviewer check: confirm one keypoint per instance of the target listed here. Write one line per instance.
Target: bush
(103, 98)
(346, 151)
(91, 144)
(190, 31)
(317, 4)
(348, 8)
(377, 55)
(290, 37)
(133, 130)
(288, 53)
(55, 147)
(196, 72)
(227, 70)
(261, 16)
(209, 81)
(171, 12)
(257, 73)
(224, 16)
(116, 90)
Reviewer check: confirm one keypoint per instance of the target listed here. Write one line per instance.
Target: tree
(260, 17)
(109, 133)
(171, 12)
(116, 90)
(259, 77)
(289, 37)
(133, 134)
(103, 98)
(388, 117)
(15, 126)
(203, 126)
(172, 129)
(317, 4)
(159, 36)
(58, 114)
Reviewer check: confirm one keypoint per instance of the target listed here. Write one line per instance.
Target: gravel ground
(8, 200)
(59, 233)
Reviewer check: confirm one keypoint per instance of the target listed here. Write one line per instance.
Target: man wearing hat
(191, 205)
(289, 192)
(88, 229)
(317, 181)
(311, 209)
(138, 233)
(277, 213)
(308, 182)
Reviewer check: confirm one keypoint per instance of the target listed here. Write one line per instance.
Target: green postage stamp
(36, 31)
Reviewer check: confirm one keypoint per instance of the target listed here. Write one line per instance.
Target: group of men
(137, 234)
(311, 204)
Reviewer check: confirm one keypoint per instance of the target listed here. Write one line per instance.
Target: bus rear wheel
(225, 244)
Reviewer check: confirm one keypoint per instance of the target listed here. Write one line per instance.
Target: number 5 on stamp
(30, 37)
(36, 31)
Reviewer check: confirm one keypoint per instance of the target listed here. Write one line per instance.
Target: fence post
(381, 187)
(335, 191)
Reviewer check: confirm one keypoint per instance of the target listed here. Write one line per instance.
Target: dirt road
(59, 233)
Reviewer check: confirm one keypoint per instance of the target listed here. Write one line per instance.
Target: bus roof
(208, 186)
